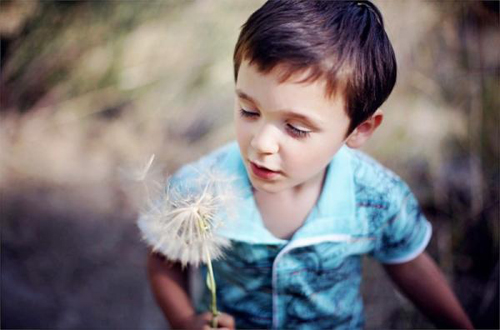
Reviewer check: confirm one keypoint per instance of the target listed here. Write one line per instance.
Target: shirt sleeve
(405, 234)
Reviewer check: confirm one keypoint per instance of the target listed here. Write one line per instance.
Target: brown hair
(343, 42)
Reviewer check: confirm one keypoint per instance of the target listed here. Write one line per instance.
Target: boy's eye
(248, 114)
(291, 129)
(297, 133)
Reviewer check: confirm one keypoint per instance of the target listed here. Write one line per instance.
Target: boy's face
(287, 132)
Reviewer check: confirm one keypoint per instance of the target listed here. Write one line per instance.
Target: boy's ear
(365, 130)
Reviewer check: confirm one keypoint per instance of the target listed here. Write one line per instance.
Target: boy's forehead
(251, 78)
(281, 72)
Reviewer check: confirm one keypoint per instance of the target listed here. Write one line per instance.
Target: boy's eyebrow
(290, 112)
(243, 95)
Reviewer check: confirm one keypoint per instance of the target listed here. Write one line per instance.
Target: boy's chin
(268, 187)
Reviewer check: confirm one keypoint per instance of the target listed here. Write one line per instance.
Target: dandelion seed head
(183, 223)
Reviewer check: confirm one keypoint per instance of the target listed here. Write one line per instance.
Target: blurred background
(89, 90)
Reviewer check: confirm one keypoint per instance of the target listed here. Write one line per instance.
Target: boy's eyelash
(248, 114)
(293, 131)
(297, 133)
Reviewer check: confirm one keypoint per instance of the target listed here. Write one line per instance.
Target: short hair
(343, 42)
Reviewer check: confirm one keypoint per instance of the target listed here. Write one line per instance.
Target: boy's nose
(264, 141)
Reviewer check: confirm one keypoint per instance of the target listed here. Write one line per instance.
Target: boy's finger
(225, 321)
(207, 316)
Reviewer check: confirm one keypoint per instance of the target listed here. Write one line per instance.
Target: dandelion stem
(211, 280)
(204, 227)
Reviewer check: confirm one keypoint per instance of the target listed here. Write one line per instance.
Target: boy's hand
(202, 322)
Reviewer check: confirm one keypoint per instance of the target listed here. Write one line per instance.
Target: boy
(310, 79)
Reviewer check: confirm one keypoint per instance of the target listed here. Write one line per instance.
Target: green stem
(211, 280)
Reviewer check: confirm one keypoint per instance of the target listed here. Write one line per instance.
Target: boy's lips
(263, 172)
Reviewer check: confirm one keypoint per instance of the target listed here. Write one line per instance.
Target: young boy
(310, 79)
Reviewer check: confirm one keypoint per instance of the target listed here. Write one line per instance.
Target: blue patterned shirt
(312, 280)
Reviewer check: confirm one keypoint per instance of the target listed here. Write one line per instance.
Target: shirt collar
(333, 214)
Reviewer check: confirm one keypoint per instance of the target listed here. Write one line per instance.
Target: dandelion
(182, 225)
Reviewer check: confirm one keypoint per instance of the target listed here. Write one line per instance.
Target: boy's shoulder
(387, 209)
(373, 182)
(381, 196)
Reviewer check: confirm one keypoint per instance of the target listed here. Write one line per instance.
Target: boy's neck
(284, 213)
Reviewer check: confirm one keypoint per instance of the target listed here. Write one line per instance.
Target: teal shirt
(312, 280)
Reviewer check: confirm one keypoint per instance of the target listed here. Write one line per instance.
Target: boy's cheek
(243, 133)
(242, 140)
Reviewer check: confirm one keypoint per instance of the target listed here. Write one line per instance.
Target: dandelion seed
(140, 173)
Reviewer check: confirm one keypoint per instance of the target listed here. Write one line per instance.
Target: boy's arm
(422, 281)
(169, 284)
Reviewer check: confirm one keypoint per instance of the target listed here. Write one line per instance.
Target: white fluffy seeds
(182, 225)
